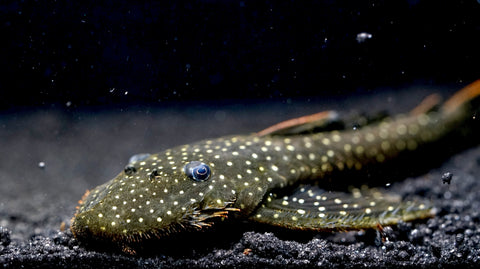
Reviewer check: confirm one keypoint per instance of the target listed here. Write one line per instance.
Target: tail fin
(463, 99)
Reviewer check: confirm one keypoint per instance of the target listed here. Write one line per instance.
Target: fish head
(155, 196)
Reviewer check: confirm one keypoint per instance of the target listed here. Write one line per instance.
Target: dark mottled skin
(154, 197)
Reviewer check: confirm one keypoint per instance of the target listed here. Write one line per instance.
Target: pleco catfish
(273, 177)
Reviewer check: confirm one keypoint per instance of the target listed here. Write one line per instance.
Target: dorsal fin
(321, 120)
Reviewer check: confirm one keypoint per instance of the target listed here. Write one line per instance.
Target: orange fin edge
(463, 96)
(297, 121)
(427, 104)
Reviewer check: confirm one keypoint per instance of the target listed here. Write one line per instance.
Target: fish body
(280, 176)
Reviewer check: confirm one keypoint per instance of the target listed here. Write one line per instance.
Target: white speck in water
(41, 165)
(363, 36)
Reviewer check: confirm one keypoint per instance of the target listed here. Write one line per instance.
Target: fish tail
(467, 100)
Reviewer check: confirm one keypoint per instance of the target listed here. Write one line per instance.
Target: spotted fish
(285, 176)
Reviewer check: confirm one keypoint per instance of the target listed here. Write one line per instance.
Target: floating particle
(363, 36)
(41, 165)
(447, 178)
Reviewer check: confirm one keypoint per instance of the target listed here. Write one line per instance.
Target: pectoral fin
(311, 208)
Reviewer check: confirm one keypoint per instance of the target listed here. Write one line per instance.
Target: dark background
(111, 52)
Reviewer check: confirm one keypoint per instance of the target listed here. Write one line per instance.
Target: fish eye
(197, 171)
(129, 170)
